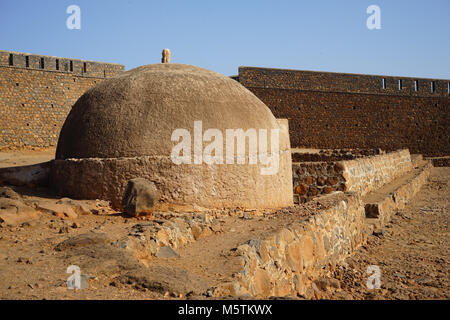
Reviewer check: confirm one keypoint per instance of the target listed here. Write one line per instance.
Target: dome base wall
(209, 186)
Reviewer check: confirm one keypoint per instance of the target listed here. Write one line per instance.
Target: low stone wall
(237, 186)
(316, 178)
(361, 175)
(32, 175)
(328, 155)
(440, 161)
(380, 211)
(174, 230)
(367, 174)
(288, 260)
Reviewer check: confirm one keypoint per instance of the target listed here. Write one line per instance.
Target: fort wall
(37, 93)
(335, 110)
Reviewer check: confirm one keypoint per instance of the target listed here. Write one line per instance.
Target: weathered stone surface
(43, 95)
(79, 207)
(32, 175)
(167, 252)
(140, 197)
(381, 206)
(286, 261)
(362, 174)
(83, 240)
(57, 209)
(14, 211)
(294, 257)
(95, 158)
(262, 283)
(7, 192)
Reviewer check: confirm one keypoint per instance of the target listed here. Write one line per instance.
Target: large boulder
(140, 197)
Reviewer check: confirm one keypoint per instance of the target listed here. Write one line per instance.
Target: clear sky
(414, 39)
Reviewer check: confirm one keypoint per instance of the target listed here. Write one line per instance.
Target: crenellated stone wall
(37, 93)
(337, 110)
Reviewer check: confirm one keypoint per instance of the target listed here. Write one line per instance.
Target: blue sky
(223, 35)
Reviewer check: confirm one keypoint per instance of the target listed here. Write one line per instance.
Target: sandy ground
(25, 157)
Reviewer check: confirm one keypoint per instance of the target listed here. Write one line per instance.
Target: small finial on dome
(165, 56)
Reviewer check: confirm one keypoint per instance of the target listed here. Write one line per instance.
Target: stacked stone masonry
(37, 93)
(379, 212)
(361, 175)
(333, 155)
(336, 110)
(288, 260)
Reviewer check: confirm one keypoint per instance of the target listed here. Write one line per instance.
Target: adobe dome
(122, 129)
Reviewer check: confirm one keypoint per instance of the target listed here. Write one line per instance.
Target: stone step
(381, 204)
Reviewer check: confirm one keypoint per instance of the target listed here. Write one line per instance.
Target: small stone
(102, 203)
(64, 229)
(217, 228)
(301, 189)
(321, 181)
(309, 180)
(167, 252)
(378, 232)
(76, 225)
(209, 293)
(328, 190)
(332, 181)
(313, 191)
(57, 209)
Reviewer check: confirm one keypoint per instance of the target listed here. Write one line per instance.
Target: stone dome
(122, 128)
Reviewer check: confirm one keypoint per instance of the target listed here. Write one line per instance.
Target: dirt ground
(13, 158)
(412, 253)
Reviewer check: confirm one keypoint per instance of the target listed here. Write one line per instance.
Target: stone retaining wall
(288, 260)
(360, 175)
(316, 178)
(367, 174)
(440, 161)
(80, 179)
(328, 155)
(379, 212)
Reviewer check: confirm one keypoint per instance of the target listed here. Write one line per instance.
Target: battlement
(253, 77)
(329, 110)
(37, 92)
(58, 64)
